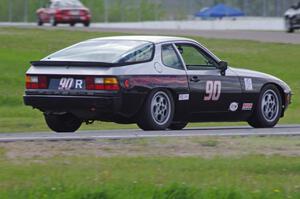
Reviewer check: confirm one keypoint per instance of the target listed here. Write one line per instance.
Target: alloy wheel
(160, 108)
(270, 105)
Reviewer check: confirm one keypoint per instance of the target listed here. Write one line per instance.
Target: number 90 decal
(65, 83)
(213, 91)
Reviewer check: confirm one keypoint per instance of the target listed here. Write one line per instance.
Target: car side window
(141, 54)
(194, 58)
(170, 57)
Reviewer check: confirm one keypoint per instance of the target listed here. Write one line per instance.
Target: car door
(213, 96)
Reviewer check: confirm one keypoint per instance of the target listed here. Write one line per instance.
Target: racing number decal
(213, 90)
(65, 83)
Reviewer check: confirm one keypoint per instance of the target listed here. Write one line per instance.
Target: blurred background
(144, 10)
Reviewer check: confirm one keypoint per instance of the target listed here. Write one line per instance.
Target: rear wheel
(268, 109)
(72, 24)
(62, 123)
(53, 21)
(86, 24)
(157, 112)
(177, 125)
(288, 25)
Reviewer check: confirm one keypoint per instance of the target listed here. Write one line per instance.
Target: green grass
(19, 46)
(155, 177)
(185, 168)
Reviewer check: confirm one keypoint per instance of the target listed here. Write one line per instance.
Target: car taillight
(99, 83)
(59, 12)
(84, 12)
(36, 82)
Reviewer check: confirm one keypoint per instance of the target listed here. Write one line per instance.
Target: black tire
(266, 114)
(40, 22)
(53, 21)
(62, 123)
(87, 24)
(72, 24)
(288, 25)
(157, 112)
(177, 125)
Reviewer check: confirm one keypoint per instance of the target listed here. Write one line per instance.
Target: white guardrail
(241, 23)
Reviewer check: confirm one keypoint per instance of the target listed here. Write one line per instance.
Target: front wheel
(157, 112)
(40, 22)
(268, 109)
(62, 123)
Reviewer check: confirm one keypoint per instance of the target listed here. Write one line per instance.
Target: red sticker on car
(247, 106)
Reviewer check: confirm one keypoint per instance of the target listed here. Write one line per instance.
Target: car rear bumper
(295, 21)
(296, 26)
(85, 107)
(72, 19)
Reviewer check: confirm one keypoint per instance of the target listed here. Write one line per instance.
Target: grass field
(167, 168)
(19, 46)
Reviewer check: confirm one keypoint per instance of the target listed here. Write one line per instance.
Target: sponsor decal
(247, 106)
(213, 91)
(234, 106)
(183, 97)
(248, 84)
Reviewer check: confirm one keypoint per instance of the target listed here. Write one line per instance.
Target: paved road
(263, 36)
(283, 130)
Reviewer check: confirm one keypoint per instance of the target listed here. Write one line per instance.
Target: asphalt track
(262, 36)
(282, 130)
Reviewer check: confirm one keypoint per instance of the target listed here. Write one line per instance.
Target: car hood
(255, 74)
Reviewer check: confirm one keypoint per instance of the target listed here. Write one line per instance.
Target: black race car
(157, 82)
(292, 18)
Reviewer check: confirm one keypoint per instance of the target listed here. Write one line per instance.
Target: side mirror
(223, 65)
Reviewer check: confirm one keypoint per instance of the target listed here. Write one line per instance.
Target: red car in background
(64, 12)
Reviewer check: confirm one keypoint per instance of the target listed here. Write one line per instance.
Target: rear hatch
(74, 12)
(91, 68)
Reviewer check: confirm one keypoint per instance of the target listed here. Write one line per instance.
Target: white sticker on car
(65, 83)
(183, 97)
(234, 106)
(248, 84)
(78, 84)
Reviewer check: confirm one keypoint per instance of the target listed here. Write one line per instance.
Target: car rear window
(67, 4)
(106, 51)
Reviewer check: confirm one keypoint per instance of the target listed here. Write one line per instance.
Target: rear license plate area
(74, 12)
(67, 83)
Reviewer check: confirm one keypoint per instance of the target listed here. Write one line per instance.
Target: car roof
(153, 39)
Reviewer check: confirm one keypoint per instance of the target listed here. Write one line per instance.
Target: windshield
(106, 51)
